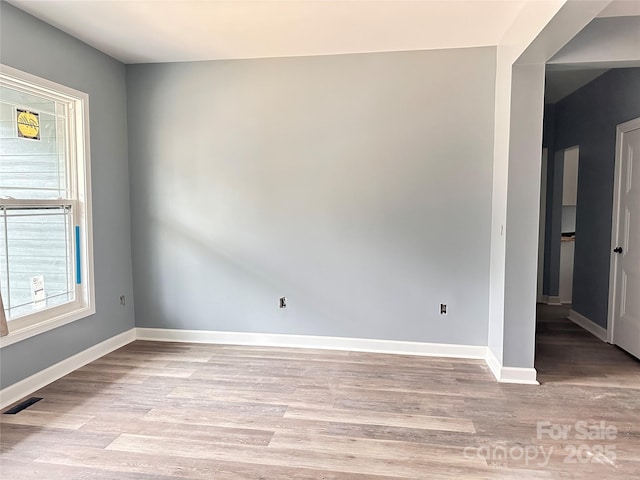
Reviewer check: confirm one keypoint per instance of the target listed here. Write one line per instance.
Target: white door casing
(624, 291)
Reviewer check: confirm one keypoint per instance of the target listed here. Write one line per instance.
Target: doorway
(624, 301)
(570, 160)
(583, 138)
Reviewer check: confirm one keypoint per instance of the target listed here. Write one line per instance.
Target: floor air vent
(22, 405)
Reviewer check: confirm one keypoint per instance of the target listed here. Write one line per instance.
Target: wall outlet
(122, 300)
(283, 302)
(443, 309)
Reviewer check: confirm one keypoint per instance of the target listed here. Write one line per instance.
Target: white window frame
(79, 163)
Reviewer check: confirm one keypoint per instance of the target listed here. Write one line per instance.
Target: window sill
(43, 326)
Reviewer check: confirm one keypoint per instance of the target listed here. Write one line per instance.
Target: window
(46, 267)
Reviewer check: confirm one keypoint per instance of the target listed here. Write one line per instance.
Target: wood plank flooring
(188, 411)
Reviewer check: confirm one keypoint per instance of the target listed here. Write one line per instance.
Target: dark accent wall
(588, 118)
(553, 217)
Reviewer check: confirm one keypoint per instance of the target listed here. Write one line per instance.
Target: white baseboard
(589, 325)
(25, 387)
(527, 376)
(493, 363)
(554, 300)
(502, 374)
(550, 300)
(308, 341)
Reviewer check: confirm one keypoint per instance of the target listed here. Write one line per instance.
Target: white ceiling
(146, 31)
(621, 8)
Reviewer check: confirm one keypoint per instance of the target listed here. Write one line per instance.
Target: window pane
(32, 167)
(27, 100)
(36, 268)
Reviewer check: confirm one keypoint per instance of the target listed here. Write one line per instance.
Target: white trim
(79, 166)
(493, 363)
(25, 387)
(40, 83)
(17, 335)
(502, 374)
(588, 324)
(615, 214)
(554, 300)
(308, 341)
(525, 376)
(549, 300)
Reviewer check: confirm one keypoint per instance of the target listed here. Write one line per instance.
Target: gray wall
(37, 48)
(523, 205)
(359, 186)
(588, 118)
(553, 207)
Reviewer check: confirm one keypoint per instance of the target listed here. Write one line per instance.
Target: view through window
(44, 209)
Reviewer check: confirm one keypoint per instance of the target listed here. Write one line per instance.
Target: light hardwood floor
(166, 411)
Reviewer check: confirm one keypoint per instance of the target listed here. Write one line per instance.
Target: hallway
(568, 354)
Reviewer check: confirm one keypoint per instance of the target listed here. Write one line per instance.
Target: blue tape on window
(78, 271)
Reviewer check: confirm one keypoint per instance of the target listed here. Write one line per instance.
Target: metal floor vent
(22, 405)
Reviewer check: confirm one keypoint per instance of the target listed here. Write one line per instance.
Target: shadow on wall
(357, 186)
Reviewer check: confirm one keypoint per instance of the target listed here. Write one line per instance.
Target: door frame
(615, 216)
(541, 297)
